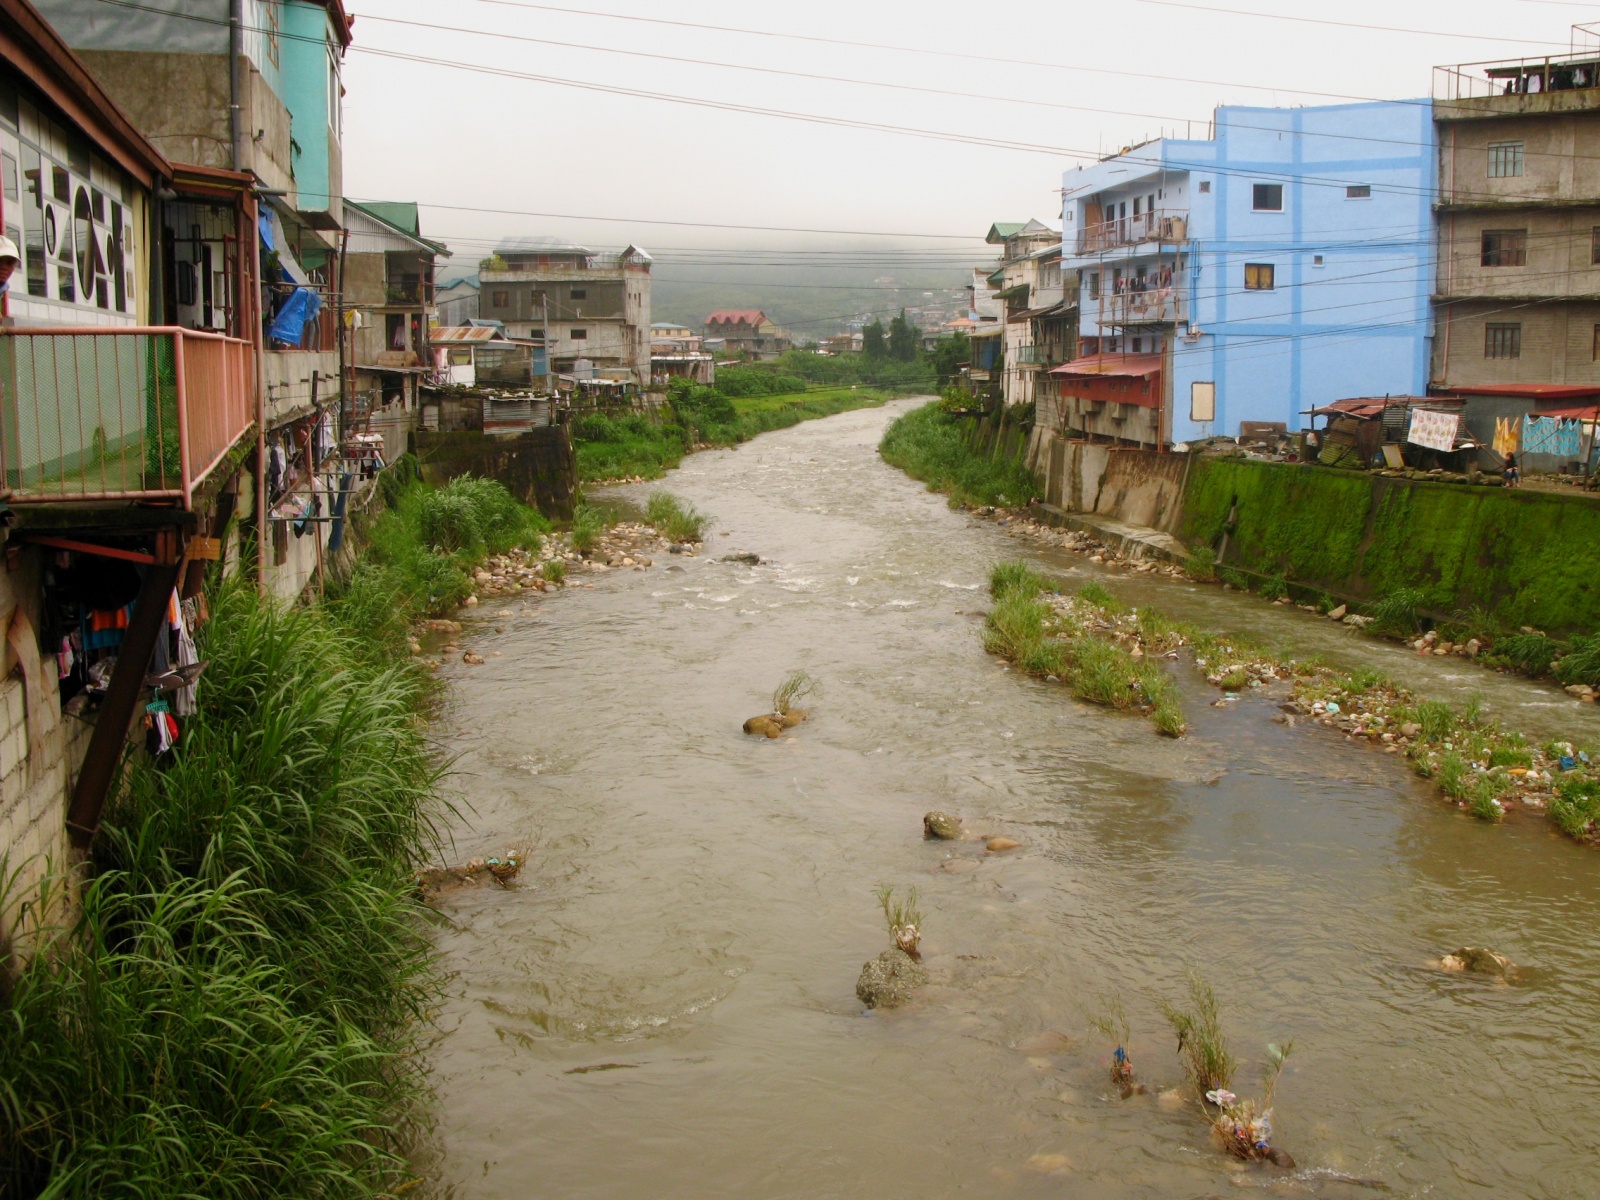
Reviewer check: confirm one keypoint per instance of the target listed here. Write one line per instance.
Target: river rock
(1476, 960)
(471, 659)
(747, 557)
(1410, 729)
(888, 980)
(764, 725)
(795, 716)
(1337, 614)
(941, 827)
(997, 844)
(1280, 1158)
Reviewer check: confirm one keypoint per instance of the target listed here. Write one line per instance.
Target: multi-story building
(1276, 266)
(1518, 291)
(1030, 287)
(127, 384)
(458, 303)
(388, 303)
(747, 332)
(591, 311)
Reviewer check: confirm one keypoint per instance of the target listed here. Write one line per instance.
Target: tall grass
(796, 686)
(1396, 613)
(1576, 807)
(931, 445)
(236, 1009)
(1015, 575)
(587, 525)
(676, 520)
(1202, 1045)
(1581, 663)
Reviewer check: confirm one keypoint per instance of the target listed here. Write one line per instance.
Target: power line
(1239, 12)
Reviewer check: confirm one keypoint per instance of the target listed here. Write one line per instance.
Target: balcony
(96, 414)
(1155, 306)
(1158, 225)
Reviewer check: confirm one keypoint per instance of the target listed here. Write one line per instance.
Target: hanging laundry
(106, 629)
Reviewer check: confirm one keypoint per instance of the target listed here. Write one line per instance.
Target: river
(664, 1006)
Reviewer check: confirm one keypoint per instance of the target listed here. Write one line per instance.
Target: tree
(872, 340)
(903, 339)
(948, 355)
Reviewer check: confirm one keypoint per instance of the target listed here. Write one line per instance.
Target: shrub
(1396, 613)
(1530, 653)
(1015, 576)
(587, 526)
(1581, 663)
(1273, 588)
(1576, 807)
(675, 519)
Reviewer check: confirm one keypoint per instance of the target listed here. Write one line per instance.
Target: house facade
(1274, 267)
(1028, 287)
(458, 303)
(590, 310)
(747, 332)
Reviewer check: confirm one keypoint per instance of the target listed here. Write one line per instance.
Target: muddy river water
(664, 1007)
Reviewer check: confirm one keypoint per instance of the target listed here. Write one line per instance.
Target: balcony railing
(1158, 225)
(1154, 306)
(142, 413)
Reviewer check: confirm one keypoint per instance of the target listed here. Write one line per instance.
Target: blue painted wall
(1359, 323)
(304, 88)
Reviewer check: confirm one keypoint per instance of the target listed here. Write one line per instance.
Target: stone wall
(538, 468)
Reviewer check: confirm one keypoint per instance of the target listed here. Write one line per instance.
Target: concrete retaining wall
(538, 468)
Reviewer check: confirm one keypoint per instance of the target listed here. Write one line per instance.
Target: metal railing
(1154, 306)
(1517, 77)
(1158, 225)
(140, 413)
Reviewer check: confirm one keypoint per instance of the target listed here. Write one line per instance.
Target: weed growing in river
(1576, 807)
(1273, 588)
(903, 917)
(1581, 664)
(1201, 564)
(1096, 593)
(1529, 653)
(587, 526)
(1015, 625)
(1015, 575)
(1396, 613)
(1201, 1043)
(1111, 1020)
(796, 686)
(675, 519)
(1436, 719)
(554, 570)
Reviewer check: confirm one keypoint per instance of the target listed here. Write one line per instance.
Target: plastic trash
(1568, 763)
(1221, 1097)
(1332, 709)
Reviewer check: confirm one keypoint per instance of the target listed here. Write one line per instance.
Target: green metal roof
(1001, 230)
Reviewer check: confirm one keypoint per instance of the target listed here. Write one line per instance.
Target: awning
(1533, 391)
(1137, 366)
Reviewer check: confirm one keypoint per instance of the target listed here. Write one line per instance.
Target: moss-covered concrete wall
(1531, 558)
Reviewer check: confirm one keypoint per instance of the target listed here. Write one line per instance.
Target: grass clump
(1202, 1045)
(1015, 625)
(1112, 1023)
(1576, 807)
(1018, 576)
(675, 519)
(236, 1007)
(1581, 663)
(933, 446)
(554, 570)
(1096, 593)
(588, 523)
(1530, 653)
(1396, 614)
(796, 686)
(1201, 564)
(903, 918)
(1273, 588)
(1435, 717)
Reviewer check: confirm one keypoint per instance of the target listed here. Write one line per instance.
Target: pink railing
(95, 413)
(1158, 225)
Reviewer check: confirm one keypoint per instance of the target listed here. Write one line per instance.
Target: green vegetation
(1581, 662)
(1576, 807)
(1202, 1045)
(1096, 593)
(796, 686)
(588, 523)
(903, 917)
(676, 520)
(554, 570)
(628, 444)
(235, 1008)
(1016, 576)
(1395, 613)
(936, 447)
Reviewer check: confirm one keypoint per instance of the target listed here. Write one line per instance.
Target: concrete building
(388, 305)
(1518, 289)
(1277, 266)
(127, 385)
(592, 310)
(747, 332)
(458, 303)
(1028, 287)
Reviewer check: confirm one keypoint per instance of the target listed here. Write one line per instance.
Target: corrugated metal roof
(735, 316)
(539, 245)
(464, 333)
(1134, 365)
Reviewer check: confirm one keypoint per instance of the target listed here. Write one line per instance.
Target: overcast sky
(451, 137)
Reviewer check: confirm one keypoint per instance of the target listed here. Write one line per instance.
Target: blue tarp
(298, 311)
(264, 219)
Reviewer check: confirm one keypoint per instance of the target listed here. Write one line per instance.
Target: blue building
(1282, 264)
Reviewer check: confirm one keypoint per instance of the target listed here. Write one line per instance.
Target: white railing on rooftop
(1517, 76)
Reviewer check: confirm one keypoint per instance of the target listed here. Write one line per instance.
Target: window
(1597, 343)
(1503, 340)
(1505, 248)
(1316, 260)
(1505, 160)
(579, 335)
(1259, 277)
(1268, 197)
(1594, 245)
(1202, 401)
(1358, 191)
(272, 31)
(460, 356)
(1205, 186)
(1094, 285)
(499, 299)
(580, 293)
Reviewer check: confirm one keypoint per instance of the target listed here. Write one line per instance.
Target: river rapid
(663, 1006)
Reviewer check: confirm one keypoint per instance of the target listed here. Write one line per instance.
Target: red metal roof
(1372, 406)
(1582, 412)
(737, 316)
(1140, 366)
(1533, 391)
(465, 333)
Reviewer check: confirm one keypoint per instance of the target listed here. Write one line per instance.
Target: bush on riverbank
(932, 445)
(676, 520)
(618, 447)
(235, 1010)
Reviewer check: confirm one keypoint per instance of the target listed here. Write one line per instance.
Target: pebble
(471, 659)
(997, 844)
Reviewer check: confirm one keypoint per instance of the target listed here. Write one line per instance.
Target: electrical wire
(1239, 12)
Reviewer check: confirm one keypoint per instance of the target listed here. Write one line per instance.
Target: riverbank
(646, 446)
(239, 1003)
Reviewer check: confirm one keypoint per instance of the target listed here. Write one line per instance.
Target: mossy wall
(1528, 557)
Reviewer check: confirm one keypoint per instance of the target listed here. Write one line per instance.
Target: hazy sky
(451, 137)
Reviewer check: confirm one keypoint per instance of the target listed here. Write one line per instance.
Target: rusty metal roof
(464, 333)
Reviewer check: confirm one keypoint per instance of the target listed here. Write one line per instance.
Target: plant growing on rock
(554, 570)
(1016, 576)
(1201, 1043)
(1244, 1127)
(587, 526)
(903, 917)
(1112, 1022)
(796, 686)
(675, 519)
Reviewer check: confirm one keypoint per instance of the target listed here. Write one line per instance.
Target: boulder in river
(749, 558)
(941, 827)
(765, 725)
(791, 718)
(1475, 960)
(888, 980)
(998, 844)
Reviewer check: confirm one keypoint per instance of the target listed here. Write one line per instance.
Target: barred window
(1502, 340)
(1505, 248)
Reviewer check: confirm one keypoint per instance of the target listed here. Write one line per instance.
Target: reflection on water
(665, 1007)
